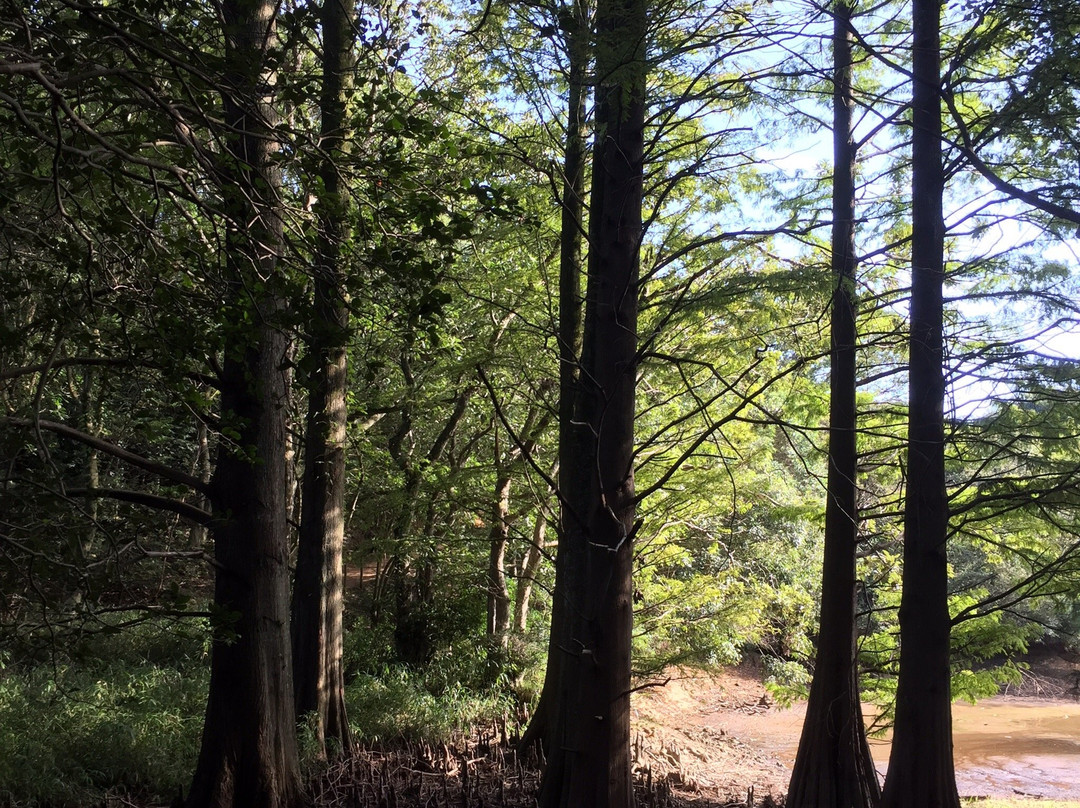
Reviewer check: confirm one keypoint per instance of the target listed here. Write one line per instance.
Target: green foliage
(786, 681)
(400, 703)
(135, 639)
(685, 615)
(69, 734)
(368, 649)
(711, 587)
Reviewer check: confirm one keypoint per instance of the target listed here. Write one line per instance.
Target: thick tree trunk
(590, 763)
(921, 771)
(249, 754)
(834, 768)
(546, 724)
(318, 599)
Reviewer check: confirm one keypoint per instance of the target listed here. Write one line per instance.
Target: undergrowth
(122, 712)
(398, 704)
(68, 735)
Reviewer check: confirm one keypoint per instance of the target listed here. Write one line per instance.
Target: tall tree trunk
(249, 754)
(921, 771)
(590, 762)
(834, 768)
(318, 599)
(545, 726)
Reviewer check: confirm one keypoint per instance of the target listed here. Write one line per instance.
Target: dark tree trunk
(834, 768)
(318, 599)
(249, 754)
(589, 764)
(545, 726)
(921, 771)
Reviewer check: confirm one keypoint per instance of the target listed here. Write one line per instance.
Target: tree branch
(138, 461)
(96, 361)
(156, 501)
(968, 151)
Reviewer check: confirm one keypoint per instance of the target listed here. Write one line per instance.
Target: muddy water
(1009, 746)
(1003, 746)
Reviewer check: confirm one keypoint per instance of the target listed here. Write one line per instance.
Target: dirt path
(714, 736)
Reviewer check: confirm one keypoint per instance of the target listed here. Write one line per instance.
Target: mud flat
(1018, 747)
(718, 734)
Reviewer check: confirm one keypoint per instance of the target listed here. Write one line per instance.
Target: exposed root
(486, 771)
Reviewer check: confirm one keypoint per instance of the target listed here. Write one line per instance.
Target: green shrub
(399, 703)
(135, 639)
(67, 735)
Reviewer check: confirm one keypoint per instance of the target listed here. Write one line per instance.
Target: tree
(153, 110)
(590, 763)
(318, 596)
(498, 600)
(921, 763)
(546, 725)
(833, 766)
(249, 754)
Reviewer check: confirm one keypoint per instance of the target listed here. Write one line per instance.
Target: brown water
(1005, 746)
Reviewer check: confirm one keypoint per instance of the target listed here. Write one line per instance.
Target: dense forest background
(373, 372)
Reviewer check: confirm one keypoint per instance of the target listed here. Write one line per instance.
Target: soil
(716, 740)
(715, 737)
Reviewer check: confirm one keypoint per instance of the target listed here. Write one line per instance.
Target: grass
(400, 704)
(122, 712)
(69, 735)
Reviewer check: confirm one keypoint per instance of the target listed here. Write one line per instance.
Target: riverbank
(716, 736)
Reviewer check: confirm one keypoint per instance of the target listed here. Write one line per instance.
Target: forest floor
(718, 739)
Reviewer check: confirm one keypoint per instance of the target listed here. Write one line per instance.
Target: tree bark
(921, 771)
(205, 469)
(834, 767)
(498, 600)
(545, 726)
(590, 763)
(529, 568)
(248, 757)
(318, 599)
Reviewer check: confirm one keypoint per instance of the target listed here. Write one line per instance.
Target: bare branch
(156, 501)
(158, 469)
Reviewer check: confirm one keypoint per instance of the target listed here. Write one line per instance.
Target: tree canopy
(526, 350)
